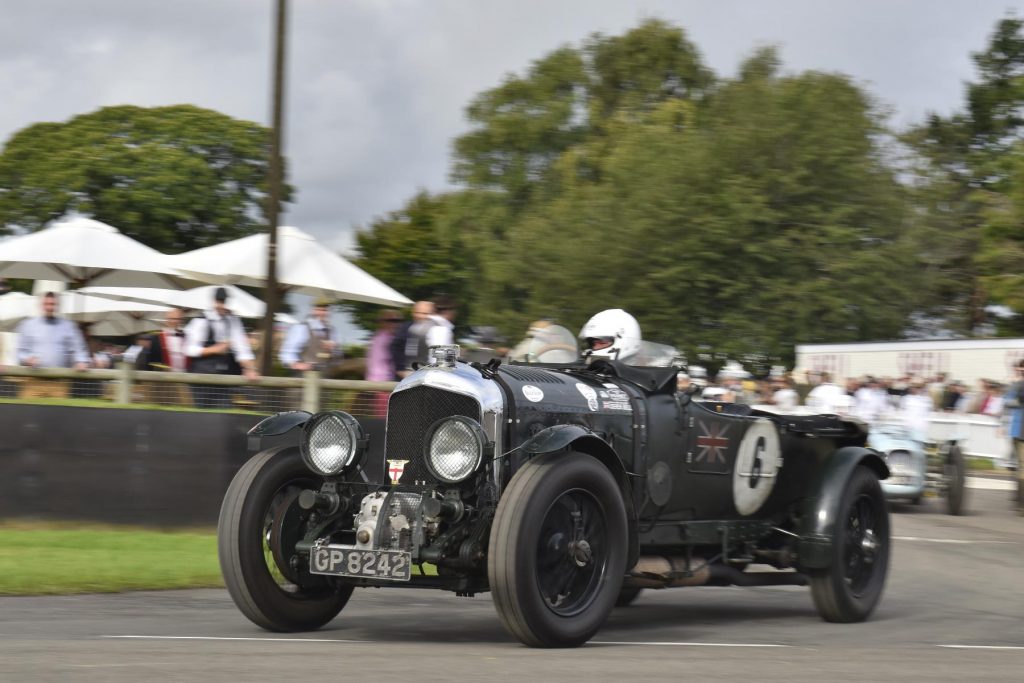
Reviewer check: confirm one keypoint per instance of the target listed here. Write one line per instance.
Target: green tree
(762, 217)
(969, 188)
(736, 217)
(418, 251)
(536, 137)
(569, 97)
(175, 178)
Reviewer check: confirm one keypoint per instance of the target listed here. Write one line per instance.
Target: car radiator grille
(900, 463)
(410, 415)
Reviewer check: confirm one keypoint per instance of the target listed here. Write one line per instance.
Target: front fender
(820, 510)
(578, 438)
(271, 431)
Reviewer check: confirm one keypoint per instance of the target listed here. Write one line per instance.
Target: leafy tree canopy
(733, 216)
(175, 178)
(419, 252)
(970, 192)
(761, 217)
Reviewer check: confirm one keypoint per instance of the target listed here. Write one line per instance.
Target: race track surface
(953, 611)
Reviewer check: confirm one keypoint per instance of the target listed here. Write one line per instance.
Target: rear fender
(575, 437)
(820, 510)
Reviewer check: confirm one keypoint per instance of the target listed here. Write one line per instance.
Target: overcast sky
(377, 88)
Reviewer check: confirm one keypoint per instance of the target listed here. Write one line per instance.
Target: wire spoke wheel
(849, 589)
(572, 552)
(558, 550)
(861, 548)
(260, 523)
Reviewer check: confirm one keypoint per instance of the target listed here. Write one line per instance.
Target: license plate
(340, 560)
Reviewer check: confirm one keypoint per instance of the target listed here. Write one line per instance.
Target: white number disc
(756, 464)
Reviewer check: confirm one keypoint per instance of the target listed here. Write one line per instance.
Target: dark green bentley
(563, 489)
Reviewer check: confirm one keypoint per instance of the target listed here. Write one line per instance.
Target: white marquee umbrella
(304, 266)
(85, 251)
(107, 316)
(241, 303)
(124, 325)
(15, 307)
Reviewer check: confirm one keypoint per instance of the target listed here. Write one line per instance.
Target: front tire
(956, 479)
(849, 589)
(258, 513)
(558, 550)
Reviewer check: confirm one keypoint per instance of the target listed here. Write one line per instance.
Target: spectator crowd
(868, 398)
(215, 341)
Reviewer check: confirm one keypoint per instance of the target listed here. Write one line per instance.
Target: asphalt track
(953, 611)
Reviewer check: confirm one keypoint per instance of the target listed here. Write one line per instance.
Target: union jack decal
(712, 442)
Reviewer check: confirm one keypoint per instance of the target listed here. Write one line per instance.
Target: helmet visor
(598, 343)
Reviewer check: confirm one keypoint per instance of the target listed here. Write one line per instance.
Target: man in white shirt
(828, 397)
(915, 409)
(442, 332)
(871, 401)
(785, 397)
(216, 343)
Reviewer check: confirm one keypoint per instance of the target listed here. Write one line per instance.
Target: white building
(967, 360)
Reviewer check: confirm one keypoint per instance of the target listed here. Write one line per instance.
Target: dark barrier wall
(120, 465)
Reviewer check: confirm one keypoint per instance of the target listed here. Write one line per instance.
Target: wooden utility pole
(275, 191)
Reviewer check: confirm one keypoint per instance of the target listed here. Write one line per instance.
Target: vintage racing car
(561, 489)
(918, 469)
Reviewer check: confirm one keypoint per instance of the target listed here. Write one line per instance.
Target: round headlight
(455, 446)
(331, 442)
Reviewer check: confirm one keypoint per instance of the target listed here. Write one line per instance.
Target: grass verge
(59, 558)
(102, 403)
(40, 558)
(981, 464)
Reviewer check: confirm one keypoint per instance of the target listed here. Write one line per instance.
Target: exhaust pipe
(654, 571)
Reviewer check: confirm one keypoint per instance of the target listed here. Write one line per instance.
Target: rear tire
(849, 589)
(628, 595)
(956, 479)
(268, 590)
(558, 550)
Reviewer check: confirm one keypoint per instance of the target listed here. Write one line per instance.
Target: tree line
(732, 216)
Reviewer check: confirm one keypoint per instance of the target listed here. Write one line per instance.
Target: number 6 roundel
(756, 464)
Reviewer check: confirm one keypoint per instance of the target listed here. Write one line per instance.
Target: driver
(612, 334)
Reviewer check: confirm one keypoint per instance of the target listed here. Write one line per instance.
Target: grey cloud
(377, 88)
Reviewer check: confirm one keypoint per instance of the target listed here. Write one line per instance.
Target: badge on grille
(395, 470)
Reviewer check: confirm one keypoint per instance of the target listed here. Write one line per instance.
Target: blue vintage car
(918, 468)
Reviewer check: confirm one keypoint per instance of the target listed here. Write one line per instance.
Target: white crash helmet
(617, 332)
